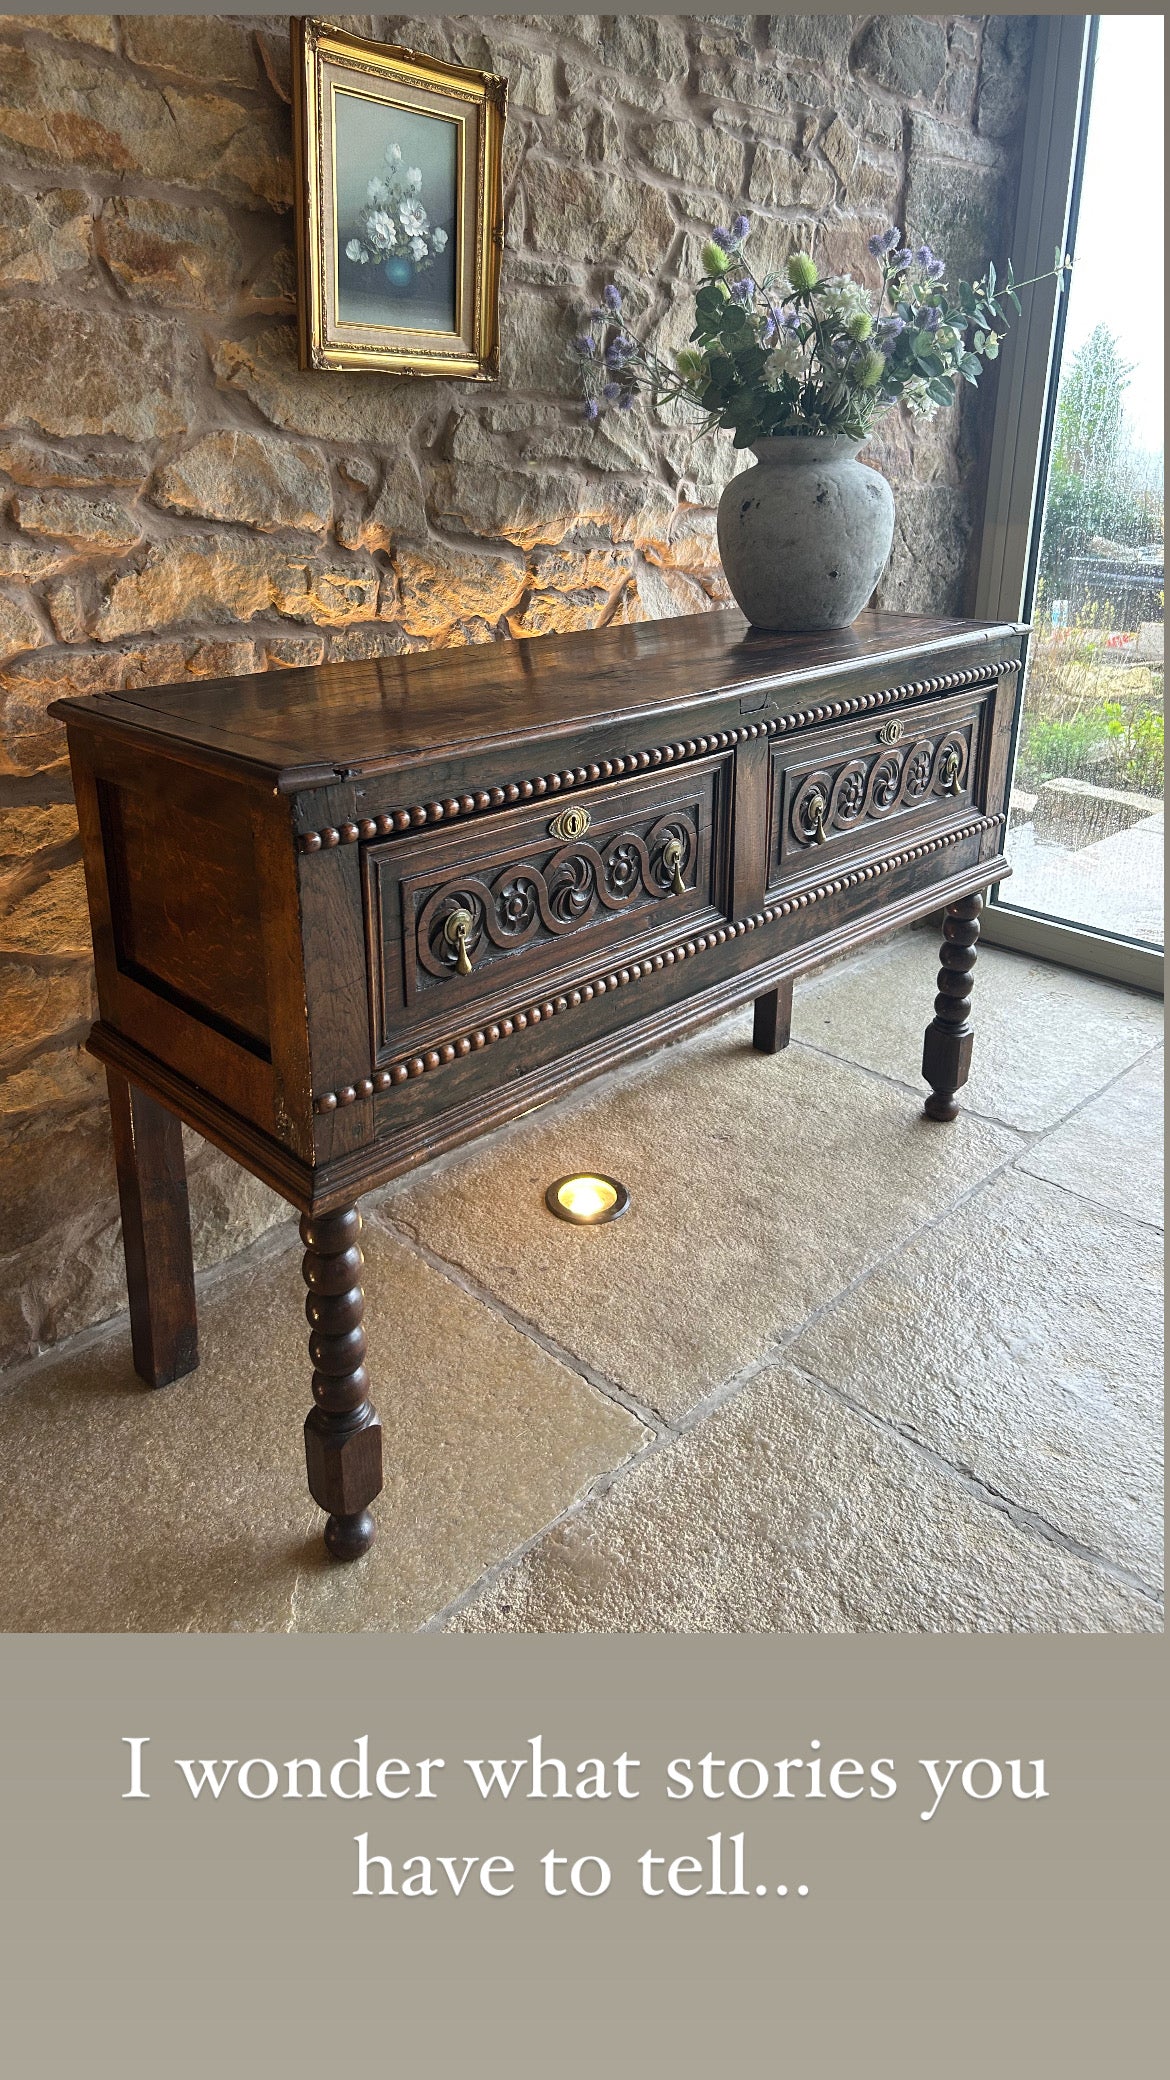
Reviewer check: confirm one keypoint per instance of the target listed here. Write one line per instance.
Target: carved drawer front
(457, 917)
(865, 788)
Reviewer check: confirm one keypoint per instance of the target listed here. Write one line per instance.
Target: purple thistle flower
(724, 238)
(611, 392)
(740, 229)
(624, 403)
(931, 318)
(612, 297)
(591, 410)
(585, 345)
(617, 351)
(932, 267)
(884, 242)
(888, 329)
(902, 258)
(741, 291)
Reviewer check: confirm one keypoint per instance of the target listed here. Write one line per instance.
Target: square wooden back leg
(156, 1233)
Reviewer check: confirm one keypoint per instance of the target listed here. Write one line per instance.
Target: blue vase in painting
(399, 272)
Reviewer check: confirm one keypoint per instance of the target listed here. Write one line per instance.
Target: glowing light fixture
(587, 1200)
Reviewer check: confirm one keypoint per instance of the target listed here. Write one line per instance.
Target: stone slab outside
(839, 1369)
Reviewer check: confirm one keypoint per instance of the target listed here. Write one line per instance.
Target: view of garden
(1087, 834)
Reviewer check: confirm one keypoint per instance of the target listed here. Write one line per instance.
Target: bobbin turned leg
(156, 1233)
(343, 1437)
(772, 1028)
(946, 1052)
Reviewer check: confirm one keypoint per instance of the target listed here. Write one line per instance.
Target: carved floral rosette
(859, 790)
(579, 883)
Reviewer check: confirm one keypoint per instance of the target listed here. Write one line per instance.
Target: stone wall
(176, 500)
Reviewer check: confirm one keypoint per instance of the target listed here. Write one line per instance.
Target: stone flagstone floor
(839, 1369)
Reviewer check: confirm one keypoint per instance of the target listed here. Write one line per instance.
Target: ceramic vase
(806, 534)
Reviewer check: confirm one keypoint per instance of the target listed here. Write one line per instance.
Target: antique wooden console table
(347, 917)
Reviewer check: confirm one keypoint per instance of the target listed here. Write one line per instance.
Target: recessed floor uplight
(587, 1201)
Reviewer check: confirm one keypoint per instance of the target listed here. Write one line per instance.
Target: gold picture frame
(399, 208)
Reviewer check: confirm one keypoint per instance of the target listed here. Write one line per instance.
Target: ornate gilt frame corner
(312, 38)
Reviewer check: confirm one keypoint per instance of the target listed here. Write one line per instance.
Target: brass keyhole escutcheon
(672, 854)
(815, 809)
(455, 932)
(570, 824)
(890, 732)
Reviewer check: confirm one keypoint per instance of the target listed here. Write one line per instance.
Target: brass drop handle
(455, 932)
(816, 807)
(948, 771)
(672, 853)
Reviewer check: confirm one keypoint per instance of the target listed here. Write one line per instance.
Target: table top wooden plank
(299, 726)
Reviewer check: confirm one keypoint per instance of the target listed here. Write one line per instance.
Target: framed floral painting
(399, 210)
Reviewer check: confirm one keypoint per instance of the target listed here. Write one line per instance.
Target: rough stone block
(164, 254)
(43, 236)
(253, 478)
(225, 578)
(821, 39)
(599, 218)
(781, 179)
(20, 626)
(84, 463)
(90, 523)
(957, 202)
(432, 596)
(96, 371)
(263, 367)
(1003, 81)
(29, 562)
(556, 613)
(190, 46)
(292, 651)
(701, 156)
(57, 101)
(904, 52)
(98, 30)
(51, 917)
(39, 1003)
(29, 828)
(521, 506)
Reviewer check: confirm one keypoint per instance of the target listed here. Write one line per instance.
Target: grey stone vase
(806, 534)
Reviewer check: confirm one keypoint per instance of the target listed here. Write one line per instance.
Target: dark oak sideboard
(347, 917)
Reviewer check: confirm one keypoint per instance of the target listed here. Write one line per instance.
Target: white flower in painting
(418, 247)
(355, 250)
(412, 216)
(393, 154)
(377, 191)
(414, 178)
(439, 239)
(380, 230)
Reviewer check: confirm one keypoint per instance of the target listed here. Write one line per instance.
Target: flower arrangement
(394, 224)
(802, 353)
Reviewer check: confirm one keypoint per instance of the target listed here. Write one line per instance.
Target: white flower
(380, 230)
(393, 154)
(418, 247)
(439, 239)
(840, 296)
(916, 400)
(414, 177)
(412, 216)
(377, 191)
(355, 250)
(785, 360)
